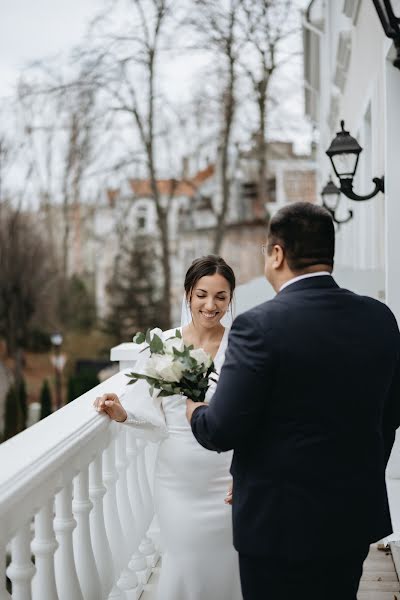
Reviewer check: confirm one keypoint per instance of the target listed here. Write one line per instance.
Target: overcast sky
(33, 29)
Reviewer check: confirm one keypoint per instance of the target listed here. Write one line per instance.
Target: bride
(191, 483)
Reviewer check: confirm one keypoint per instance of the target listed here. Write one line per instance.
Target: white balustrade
(87, 508)
(124, 505)
(21, 569)
(85, 563)
(138, 561)
(64, 561)
(100, 543)
(4, 595)
(146, 546)
(127, 579)
(44, 546)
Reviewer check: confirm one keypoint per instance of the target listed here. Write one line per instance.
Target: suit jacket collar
(320, 282)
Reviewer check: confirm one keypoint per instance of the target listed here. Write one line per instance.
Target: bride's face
(210, 298)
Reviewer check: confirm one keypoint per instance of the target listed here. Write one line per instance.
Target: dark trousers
(266, 578)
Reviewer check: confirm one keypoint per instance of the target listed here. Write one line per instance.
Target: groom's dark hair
(306, 233)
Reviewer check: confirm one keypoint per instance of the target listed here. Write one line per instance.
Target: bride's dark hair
(208, 265)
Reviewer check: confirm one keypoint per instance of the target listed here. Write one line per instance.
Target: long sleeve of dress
(145, 414)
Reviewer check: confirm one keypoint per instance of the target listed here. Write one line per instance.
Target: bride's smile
(209, 300)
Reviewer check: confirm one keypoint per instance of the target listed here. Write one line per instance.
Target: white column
(147, 546)
(21, 569)
(84, 558)
(100, 543)
(4, 595)
(124, 506)
(138, 560)
(153, 532)
(66, 577)
(44, 546)
(126, 579)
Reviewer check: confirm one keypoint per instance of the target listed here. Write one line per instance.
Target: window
(141, 218)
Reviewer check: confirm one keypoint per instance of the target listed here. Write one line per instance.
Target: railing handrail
(38, 458)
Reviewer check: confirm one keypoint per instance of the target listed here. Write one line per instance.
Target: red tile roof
(174, 187)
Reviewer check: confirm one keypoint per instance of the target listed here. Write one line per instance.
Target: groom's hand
(191, 407)
(110, 404)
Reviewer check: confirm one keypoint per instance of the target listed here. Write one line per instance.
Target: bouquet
(174, 368)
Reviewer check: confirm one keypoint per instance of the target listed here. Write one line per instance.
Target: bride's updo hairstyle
(208, 265)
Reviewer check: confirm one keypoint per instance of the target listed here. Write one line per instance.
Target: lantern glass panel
(345, 164)
(331, 201)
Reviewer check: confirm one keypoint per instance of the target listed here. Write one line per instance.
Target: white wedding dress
(198, 561)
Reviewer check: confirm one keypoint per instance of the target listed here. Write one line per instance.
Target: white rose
(150, 367)
(202, 357)
(167, 368)
(172, 343)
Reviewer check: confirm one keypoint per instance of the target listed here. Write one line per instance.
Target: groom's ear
(278, 256)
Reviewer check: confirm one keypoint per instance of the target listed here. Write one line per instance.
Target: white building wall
(359, 84)
(352, 88)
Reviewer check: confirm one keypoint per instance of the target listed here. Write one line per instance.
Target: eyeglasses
(264, 249)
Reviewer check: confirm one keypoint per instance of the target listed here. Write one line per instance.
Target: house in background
(99, 232)
(290, 178)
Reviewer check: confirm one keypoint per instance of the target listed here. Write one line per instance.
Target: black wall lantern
(330, 200)
(344, 153)
(390, 24)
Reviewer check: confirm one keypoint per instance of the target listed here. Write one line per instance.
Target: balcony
(76, 512)
(76, 505)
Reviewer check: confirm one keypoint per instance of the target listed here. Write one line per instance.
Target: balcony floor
(379, 580)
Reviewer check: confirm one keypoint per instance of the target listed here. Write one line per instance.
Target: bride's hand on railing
(110, 404)
(229, 495)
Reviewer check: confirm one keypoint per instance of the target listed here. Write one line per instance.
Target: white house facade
(349, 75)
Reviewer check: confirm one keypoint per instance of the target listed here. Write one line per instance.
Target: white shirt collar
(306, 276)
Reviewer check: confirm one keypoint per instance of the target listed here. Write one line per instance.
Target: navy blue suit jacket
(309, 399)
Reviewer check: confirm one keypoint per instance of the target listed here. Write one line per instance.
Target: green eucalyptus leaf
(178, 352)
(156, 345)
(139, 337)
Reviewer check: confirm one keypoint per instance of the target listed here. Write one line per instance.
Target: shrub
(45, 400)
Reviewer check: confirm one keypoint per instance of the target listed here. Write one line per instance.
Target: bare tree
(217, 23)
(266, 25)
(126, 71)
(59, 126)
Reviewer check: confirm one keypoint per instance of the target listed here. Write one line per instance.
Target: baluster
(66, 577)
(21, 569)
(44, 546)
(153, 532)
(146, 546)
(100, 543)
(85, 564)
(127, 580)
(124, 506)
(4, 595)
(138, 560)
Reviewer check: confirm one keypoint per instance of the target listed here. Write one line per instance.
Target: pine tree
(13, 414)
(45, 400)
(80, 383)
(23, 400)
(134, 291)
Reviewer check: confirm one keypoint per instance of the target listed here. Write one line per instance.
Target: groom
(309, 399)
